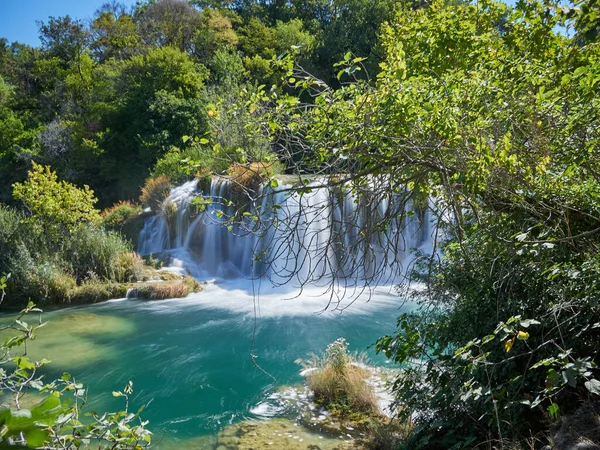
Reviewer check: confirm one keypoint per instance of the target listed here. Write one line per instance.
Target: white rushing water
(322, 239)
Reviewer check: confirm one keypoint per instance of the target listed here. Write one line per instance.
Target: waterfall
(286, 237)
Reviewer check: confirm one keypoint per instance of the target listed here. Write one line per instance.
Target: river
(190, 359)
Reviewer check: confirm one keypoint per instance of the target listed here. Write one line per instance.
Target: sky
(18, 17)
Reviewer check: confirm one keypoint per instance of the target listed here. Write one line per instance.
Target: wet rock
(276, 434)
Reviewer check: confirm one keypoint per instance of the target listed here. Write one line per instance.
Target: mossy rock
(277, 434)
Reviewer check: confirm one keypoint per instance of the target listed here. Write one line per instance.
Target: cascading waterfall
(323, 235)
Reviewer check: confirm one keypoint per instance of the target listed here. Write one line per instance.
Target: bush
(180, 165)
(34, 279)
(128, 267)
(119, 214)
(125, 217)
(96, 252)
(58, 205)
(155, 191)
(10, 221)
(339, 383)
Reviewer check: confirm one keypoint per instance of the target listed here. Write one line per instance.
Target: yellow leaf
(523, 335)
(509, 344)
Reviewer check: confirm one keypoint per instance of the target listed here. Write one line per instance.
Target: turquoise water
(189, 359)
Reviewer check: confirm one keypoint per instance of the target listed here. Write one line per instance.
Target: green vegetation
(492, 112)
(44, 413)
(56, 245)
(340, 383)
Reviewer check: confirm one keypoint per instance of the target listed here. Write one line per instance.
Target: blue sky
(18, 17)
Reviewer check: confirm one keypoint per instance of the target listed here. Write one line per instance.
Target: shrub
(60, 206)
(181, 165)
(155, 191)
(128, 267)
(119, 214)
(52, 283)
(95, 251)
(339, 383)
(33, 279)
(10, 221)
(125, 217)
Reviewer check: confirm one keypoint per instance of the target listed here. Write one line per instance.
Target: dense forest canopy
(102, 101)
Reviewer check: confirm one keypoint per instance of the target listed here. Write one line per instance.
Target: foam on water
(321, 240)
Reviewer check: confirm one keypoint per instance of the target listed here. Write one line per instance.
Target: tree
(214, 33)
(63, 38)
(58, 205)
(166, 23)
(148, 103)
(490, 112)
(114, 34)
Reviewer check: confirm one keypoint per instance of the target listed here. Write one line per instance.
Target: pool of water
(191, 361)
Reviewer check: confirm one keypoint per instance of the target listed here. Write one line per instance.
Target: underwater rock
(68, 339)
(278, 434)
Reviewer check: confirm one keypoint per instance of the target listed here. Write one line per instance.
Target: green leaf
(274, 183)
(24, 363)
(553, 411)
(593, 386)
(579, 71)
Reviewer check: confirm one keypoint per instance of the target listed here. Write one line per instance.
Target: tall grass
(155, 191)
(339, 384)
(164, 290)
(96, 252)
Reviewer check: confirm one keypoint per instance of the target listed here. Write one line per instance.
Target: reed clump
(339, 383)
(165, 290)
(155, 191)
(246, 180)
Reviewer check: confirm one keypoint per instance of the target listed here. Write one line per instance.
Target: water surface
(190, 359)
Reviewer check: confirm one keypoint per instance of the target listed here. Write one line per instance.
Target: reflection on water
(67, 338)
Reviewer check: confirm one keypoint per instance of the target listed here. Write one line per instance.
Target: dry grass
(339, 384)
(250, 174)
(246, 179)
(344, 391)
(129, 267)
(155, 191)
(165, 290)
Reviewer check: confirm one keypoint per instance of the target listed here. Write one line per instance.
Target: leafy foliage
(55, 421)
(491, 112)
(58, 205)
